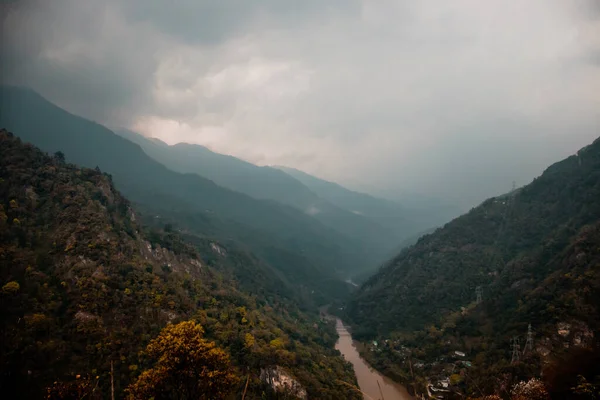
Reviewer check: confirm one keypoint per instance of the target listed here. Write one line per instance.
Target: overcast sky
(447, 98)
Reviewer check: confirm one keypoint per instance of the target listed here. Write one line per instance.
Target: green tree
(60, 156)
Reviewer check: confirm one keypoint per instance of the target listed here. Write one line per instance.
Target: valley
(299, 200)
(495, 297)
(505, 293)
(371, 384)
(184, 249)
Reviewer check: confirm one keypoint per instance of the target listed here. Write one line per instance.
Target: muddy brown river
(373, 385)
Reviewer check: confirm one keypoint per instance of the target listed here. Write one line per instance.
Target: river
(367, 377)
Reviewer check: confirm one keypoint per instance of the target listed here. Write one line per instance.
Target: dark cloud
(78, 56)
(454, 99)
(211, 22)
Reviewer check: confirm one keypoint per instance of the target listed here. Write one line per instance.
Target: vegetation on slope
(534, 254)
(406, 220)
(288, 240)
(226, 171)
(376, 236)
(85, 289)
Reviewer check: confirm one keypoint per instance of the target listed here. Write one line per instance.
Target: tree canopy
(186, 367)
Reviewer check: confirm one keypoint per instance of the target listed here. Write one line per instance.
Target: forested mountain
(378, 230)
(226, 171)
(297, 246)
(533, 256)
(405, 221)
(86, 290)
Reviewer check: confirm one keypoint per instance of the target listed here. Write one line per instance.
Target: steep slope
(403, 221)
(287, 239)
(429, 209)
(226, 171)
(534, 255)
(85, 288)
(377, 235)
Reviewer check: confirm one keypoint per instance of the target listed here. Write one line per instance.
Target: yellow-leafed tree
(186, 367)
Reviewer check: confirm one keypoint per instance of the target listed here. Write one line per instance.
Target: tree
(11, 287)
(186, 367)
(249, 341)
(60, 156)
(585, 389)
(533, 389)
(80, 388)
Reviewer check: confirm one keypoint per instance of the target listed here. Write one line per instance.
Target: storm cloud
(450, 99)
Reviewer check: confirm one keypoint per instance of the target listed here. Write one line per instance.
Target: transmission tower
(479, 294)
(513, 194)
(515, 350)
(529, 343)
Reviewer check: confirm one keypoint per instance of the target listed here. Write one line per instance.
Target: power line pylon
(529, 342)
(515, 350)
(479, 294)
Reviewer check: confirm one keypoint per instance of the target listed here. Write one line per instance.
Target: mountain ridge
(266, 183)
(406, 221)
(284, 237)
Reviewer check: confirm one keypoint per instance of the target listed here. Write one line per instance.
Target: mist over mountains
(291, 238)
(308, 200)
(378, 223)
(171, 182)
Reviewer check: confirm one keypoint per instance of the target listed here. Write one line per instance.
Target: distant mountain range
(401, 220)
(378, 227)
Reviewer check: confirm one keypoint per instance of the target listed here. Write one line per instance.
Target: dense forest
(93, 301)
(508, 292)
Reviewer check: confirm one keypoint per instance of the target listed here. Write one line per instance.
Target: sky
(450, 99)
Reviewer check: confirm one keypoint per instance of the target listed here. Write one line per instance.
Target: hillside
(376, 235)
(227, 171)
(405, 221)
(533, 253)
(85, 288)
(304, 250)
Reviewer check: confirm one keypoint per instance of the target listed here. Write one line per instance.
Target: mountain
(378, 235)
(366, 274)
(531, 256)
(430, 210)
(226, 171)
(294, 244)
(85, 287)
(404, 221)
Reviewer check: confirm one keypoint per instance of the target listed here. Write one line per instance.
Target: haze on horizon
(448, 99)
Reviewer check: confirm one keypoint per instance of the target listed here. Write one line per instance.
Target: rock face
(218, 249)
(159, 255)
(280, 381)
